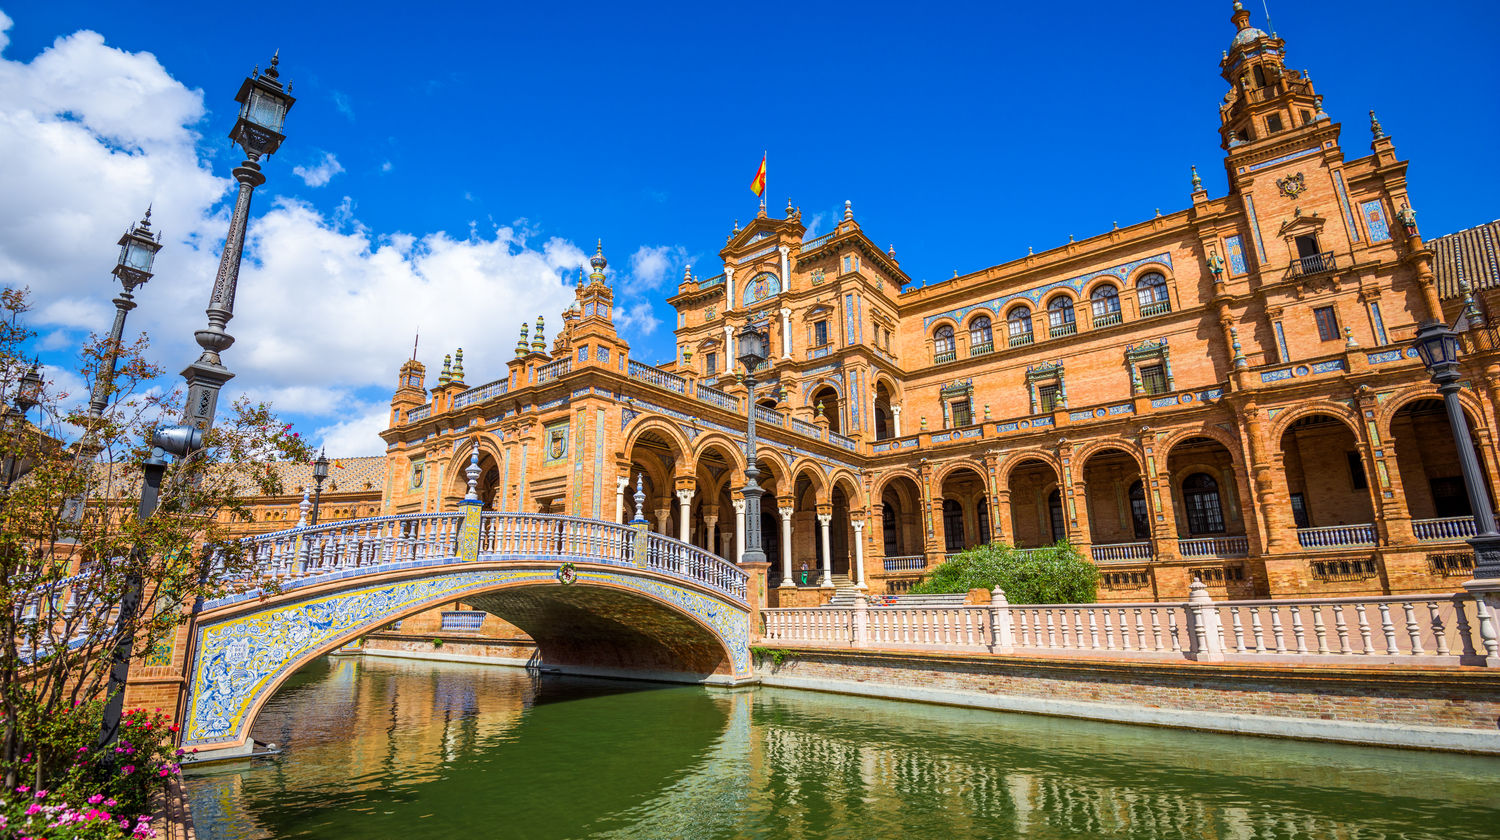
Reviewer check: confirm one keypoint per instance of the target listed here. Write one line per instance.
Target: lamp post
(264, 103)
(28, 394)
(753, 351)
(320, 472)
(138, 250)
(1437, 344)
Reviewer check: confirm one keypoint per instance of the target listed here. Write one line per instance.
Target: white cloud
(637, 317)
(815, 227)
(358, 435)
(342, 102)
(387, 166)
(320, 173)
(651, 264)
(326, 307)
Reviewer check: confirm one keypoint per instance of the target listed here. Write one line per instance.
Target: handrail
(1214, 547)
(1121, 552)
(656, 376)
(1445, 528)
(1336, 535)
(553, 370)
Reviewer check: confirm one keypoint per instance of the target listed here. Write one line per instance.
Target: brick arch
(1226, 439)
(718, 440)
(815, 475)
(488, 444)
(943, 320)
(891, 385)
(949, 467)
(1102, 280)
(1012, 305)
(1082, 454)
(1342, 412)
(661, 425)
(1063, 291)
(1160, 268)
(889, 475)
(976, 312)
(853, 489)
(1410, 394)
(1021, 456)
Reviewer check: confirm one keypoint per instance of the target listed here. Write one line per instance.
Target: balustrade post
(1002, 638)
(1203, 621)
(861, 620)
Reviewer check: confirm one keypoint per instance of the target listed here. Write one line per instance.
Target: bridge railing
(383, 543)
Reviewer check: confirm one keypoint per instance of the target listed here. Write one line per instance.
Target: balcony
(1060, 330)
(942, 356)
(1021, 339)
(1452, 528)
(984, 349)
(1214, 547)
(905, 564)
(1161, 307)
(1311, 264)
(1337, 536)
(1121, 552)
(1107, 319)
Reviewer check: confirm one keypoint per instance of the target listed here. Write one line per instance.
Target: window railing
(982, 349)
(915, 563)
(1021, 339)
(1311, 264)
(1336, 536)
(1121, 552)
(1060, 330)
(942, 356)
(1161, 307)
(1107, 319)
(1214, 547)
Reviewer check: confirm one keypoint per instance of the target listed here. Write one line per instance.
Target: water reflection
(391, 749)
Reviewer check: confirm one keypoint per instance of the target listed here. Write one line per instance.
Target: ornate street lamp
(138, 250)
(320, 472)
(1437, 345)
(264, 103)
(753, 351)
(28, 394)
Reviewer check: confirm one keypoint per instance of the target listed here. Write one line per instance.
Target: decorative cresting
(392, 566)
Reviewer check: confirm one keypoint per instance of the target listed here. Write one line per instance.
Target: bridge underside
(598, 630)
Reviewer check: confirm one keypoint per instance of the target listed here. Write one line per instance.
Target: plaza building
(1224, 392)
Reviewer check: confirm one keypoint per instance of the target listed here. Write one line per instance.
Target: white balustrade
(916, 563)
(1121, 552)
(553, 370)
(658, 377)
(713, 396)
(1336, 536)
(1214, 547)
(1447, 528)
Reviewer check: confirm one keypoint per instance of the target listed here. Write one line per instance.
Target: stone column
(786, 546)
(684, 513)
(710, 521)
(786, 267)
(859, 552)
(896, 420)
(825, 518)
(786, 330)
(728, 346)
(739, 528)
(620, 484)
(664, 518)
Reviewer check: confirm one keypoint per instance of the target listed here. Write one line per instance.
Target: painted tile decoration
(1383, 356)
(1379, 322)
(1374, 216)
(1281, 342)
(241, 658)
(1235, 248)
(1034, 295)
(1338, 185)
(1260, 247)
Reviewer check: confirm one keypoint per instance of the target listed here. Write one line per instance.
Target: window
(1151, 292)
(1060, 316)
(1153, 379)
(710, 363)
(1299, 511)
(1357, 479)
(942, 344)
(1328, 323)
(1047, 396)
(1106, 302)
(953, 525)
(981, 335)
(1306, 117)
(962, 413)
(1019, 325)
(1200, 495)
(1273, 123)
(982, 516)
(1055, 516)
(820, 333)
(888, 530)
(1260, 76)
(1140, 515)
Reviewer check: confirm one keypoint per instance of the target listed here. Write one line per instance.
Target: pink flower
(41, 794)
(164, 771)
(96, 799)
(23, 789)
(127, 769)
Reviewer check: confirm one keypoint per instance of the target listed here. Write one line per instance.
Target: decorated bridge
(597, 597)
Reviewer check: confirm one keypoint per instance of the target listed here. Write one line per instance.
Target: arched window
(1060, 316)
(1200, 495)
(943, 347)
(1151, 291)
(981, 336)
(1106, 301)
(1055, 515)
(953, 525)
(1019, 325)
(888, 530)
(1140, 515)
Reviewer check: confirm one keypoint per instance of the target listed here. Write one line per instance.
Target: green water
(399, 750)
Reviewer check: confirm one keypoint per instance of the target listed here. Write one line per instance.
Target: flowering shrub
(72, 788)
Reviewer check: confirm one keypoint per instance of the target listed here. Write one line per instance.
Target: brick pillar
(1275, 519)
(1392, 519)
(1158, 485)
(998, 524)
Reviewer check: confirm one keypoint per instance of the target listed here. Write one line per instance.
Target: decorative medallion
(1292, 185)
(817, 277)
(708, 314)
(567, 574)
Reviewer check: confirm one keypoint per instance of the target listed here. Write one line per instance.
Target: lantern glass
(320, 467)
(752, 347)
(138, 254)
(30, 391)
(265, 109)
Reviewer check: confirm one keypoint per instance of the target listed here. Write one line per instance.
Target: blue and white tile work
(1374, 216)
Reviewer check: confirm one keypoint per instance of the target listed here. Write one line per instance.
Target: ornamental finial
(1197, 181)
(472, 471)
(598, 262)
(640, 498)
(304, 506)
(848, 210)
(1376, 132)
(539, 341)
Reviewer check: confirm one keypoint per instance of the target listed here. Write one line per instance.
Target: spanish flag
(758, 185)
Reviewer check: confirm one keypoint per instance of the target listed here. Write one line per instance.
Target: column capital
(858, 524)
(896, 409)
(786, 512)
(685, 495)
(824, 509)
(739, 505)
(621, 483)
(785, 311)
(824, 519)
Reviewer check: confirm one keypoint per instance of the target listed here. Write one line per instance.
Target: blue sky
(468, 158)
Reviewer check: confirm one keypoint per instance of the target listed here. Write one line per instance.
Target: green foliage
(1057, 574)
(437, 643)
(776, 655)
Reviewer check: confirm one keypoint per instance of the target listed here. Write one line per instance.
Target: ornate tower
(1266, 99)
(410, 390)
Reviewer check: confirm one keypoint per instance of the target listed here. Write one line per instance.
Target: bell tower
(1266, 100)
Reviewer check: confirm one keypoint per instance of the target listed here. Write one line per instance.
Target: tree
(1057, 574)
(70, 537)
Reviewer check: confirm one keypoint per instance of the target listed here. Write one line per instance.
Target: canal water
(408, 750)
